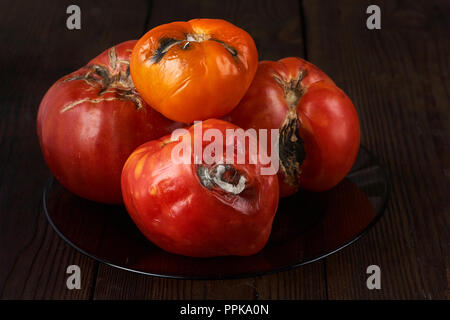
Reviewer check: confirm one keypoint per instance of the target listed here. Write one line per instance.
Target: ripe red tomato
(194, 70)
(319, 127)
(199, 210)
(91, 120)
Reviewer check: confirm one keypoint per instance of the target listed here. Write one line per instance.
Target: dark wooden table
(398, 78)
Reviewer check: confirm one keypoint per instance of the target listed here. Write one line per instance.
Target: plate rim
(289, 267)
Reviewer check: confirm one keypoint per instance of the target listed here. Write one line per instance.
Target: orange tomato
(194, 70)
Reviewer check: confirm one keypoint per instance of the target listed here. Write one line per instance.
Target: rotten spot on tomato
(292, 151)
(221, 177)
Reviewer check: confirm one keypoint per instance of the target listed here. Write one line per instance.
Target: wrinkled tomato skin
(177, 213)
(88, 125)
(328, 123)
(194, 70)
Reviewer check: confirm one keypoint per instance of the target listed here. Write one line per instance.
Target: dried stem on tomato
(221, 177)
(115, 79)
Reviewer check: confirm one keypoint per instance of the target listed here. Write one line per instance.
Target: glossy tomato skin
(194, 70)
(293, 93)
(91, 120)
(178, 212)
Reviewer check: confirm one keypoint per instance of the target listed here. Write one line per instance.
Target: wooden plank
(398, 80)
(36, 50)
(117, 284)
(306, 282)
(277, 33)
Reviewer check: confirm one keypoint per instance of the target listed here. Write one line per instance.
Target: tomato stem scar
(225, 177)
(165, 44)
(114, 78)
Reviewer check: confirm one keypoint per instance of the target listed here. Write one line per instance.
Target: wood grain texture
(36, 51)
(303, 283)
(398, 80)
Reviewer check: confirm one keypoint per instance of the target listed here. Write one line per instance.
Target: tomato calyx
(292, 151)
(114, 78)
(222, 178)
(166, 43)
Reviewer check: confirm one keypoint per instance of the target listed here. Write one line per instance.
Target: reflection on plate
(308, 226)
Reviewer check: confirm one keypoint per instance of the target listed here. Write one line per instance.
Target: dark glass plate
(308, 226)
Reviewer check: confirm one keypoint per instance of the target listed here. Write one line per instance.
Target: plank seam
(303, 28)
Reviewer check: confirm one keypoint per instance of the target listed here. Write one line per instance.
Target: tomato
(319, 128)
(199, 210)
(91, 120)
(194, 70)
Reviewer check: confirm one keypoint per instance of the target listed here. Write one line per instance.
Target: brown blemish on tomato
(292, 152)
(222, 178)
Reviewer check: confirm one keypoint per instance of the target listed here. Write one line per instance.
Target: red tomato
(319, 127)
(91, 120)
(198, 209)
(194, 70)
